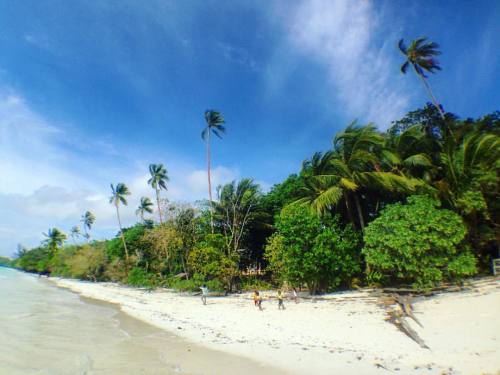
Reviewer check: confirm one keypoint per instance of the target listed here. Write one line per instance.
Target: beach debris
(397, 316)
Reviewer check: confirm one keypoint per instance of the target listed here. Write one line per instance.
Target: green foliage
(253, 283)
(418, 243)
(134, 237)
(88, 262)
(139, 277)
(4, 261)
(209, 260)
(313, 251)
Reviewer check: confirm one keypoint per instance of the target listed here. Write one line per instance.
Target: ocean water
(49, 330)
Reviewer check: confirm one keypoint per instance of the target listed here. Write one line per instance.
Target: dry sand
(341, 333)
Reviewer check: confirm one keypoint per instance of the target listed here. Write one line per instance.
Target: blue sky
(91, 92)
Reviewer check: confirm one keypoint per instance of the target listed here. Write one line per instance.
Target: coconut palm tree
(420, 55)
(88, 219)
(215, 124)
(75, 233)
(55, 239)
(146, 206)
(118, 196)
(158, 181)
(353, 164)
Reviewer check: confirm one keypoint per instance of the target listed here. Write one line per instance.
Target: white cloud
(342, 36)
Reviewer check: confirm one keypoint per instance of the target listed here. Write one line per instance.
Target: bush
(194, 284)
(139, 277)
(88, 262)
(313, 251)
(418, 243)
(210, 261)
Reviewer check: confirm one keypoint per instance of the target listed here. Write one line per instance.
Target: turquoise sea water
(48, 330)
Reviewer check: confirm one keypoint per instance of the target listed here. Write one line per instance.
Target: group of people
(280, 297)
(257, 298)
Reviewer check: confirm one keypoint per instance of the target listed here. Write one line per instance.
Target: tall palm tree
(118, 196)
(420, 55)
(75, 233)
(215, 124)
(146, 206)
(55, 239)
(158, 181)
(88, 219)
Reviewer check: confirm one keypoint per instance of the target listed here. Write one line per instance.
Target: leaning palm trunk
(348, 208)
(428, 87)
(210, 184)
(360, 212)
(123, 237)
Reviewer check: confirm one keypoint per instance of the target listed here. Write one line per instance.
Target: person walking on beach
(295, 296)
(257, 300)
(280, 300)
(204, 294)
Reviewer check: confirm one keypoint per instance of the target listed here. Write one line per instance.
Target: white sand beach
(341, 333)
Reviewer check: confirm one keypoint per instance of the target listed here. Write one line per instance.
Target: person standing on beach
(257, 299)
(204, 294)
(295, 296)
(280, 300)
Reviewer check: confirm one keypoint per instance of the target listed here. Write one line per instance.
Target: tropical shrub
(88, 262)
(139, 277)
(312, 251)
(210, 261)
(418, 243)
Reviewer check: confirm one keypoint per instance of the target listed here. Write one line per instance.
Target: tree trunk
(123, 237)
(360, 212)
(210, 182)
(158, 202)
(348, 208)
(86, 234)
(428, 87)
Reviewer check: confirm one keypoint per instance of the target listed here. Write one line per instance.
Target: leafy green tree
(420, 54)
(54, 239)
(158, 181)
(215, 124)
(418, 243)
(88, 219)
(118, 195)
(209, 260)
(282, 194)
(307, 249)
(88, 262)
(146, 206)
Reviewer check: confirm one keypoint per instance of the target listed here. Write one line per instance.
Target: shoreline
(343, 332)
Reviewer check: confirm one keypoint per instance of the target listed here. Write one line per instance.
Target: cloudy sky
(91, 92)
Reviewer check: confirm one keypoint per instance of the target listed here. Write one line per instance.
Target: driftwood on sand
(398, 315)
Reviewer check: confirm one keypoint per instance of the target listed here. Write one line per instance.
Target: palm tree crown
(55, 238)
(158, 181)
(146, 206)
(88, 219)
(420, 54)
(75, 233)
(118, 194)
(215, 124)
